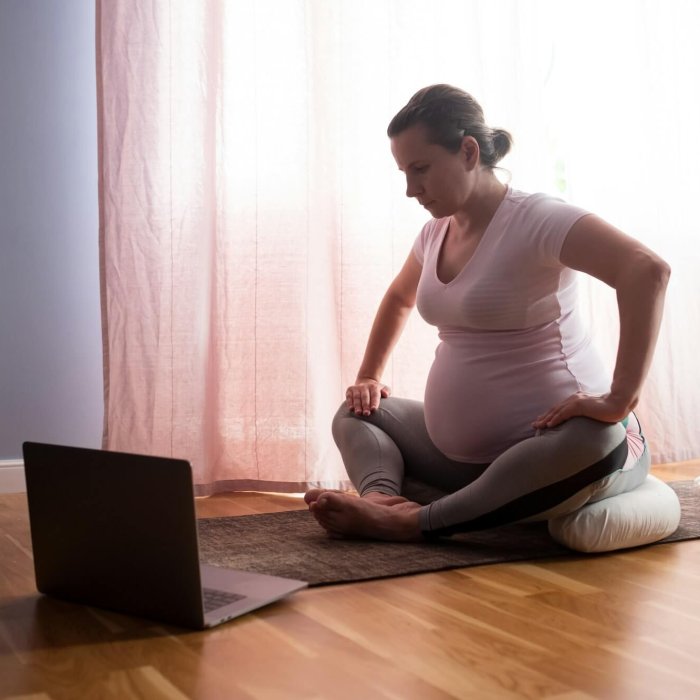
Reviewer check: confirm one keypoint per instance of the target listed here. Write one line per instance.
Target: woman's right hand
(363, 396)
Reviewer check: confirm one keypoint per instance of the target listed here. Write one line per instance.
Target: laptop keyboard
(214, 599)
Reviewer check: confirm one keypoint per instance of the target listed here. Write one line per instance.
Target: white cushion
(647, 514)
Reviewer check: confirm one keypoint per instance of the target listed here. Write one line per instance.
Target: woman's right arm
(364, 395)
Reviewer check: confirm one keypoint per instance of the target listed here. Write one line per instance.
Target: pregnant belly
(477, 405)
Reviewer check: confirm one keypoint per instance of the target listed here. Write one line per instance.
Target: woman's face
(441, 181)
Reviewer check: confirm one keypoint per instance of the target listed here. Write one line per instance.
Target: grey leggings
(551, 474)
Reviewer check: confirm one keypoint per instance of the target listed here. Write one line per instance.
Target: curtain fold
(251, 215)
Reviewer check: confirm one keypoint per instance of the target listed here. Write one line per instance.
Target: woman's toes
(312, 495)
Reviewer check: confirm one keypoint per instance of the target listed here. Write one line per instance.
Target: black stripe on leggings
(543, 499)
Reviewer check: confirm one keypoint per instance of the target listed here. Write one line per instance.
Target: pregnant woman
(520, 420)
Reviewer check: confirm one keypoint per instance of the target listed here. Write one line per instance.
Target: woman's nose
(413, 189)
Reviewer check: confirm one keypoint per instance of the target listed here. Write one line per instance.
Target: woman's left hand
(602, 407)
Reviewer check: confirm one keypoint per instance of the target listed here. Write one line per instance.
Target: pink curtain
(221, 256)
(252, 216)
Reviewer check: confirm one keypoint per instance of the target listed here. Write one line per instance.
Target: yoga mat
(292, 544)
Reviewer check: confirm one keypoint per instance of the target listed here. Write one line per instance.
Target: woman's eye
(420, 169)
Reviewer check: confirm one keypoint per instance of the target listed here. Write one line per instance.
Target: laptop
(118, 531)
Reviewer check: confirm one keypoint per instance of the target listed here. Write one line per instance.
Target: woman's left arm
(639, 277)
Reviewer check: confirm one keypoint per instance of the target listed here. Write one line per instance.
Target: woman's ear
(470, 152)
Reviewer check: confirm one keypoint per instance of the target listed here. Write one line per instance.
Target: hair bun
(502, 142)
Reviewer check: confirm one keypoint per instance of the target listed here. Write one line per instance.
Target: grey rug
(292, 544)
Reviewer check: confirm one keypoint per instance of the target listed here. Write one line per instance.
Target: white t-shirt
(512, 342)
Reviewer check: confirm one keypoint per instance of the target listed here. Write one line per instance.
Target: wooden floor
(615, 626)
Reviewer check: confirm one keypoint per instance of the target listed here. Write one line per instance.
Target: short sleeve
(551, 220)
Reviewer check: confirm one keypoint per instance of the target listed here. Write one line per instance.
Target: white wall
(50, 337)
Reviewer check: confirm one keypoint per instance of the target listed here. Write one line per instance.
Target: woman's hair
(450, 114)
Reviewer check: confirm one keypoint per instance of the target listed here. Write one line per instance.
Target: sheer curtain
(252, 215)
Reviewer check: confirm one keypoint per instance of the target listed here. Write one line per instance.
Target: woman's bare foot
(345, 515)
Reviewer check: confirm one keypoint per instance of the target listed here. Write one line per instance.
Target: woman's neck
(478, 210)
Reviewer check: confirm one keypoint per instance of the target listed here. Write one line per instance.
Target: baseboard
(12, 476)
